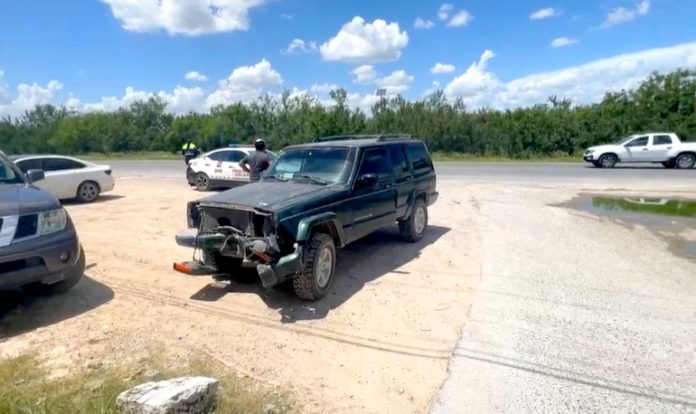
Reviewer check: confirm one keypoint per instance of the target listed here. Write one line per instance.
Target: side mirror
(367, 180)
(35, 175)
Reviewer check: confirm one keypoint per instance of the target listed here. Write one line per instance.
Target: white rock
(187, 395)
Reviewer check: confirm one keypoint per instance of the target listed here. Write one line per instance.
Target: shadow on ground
(358, 264)
(103, 198)
(22, 312)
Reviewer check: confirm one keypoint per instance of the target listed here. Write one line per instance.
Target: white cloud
(28, 96)
(622, 15)
(363, 42)
(245, 84)
(300, 46)
(546, 13)
(183, 17)
(323, 88)
(441, 68)
(423, 24)
(196, 76)
(462, 18)
(583, 84)
(364, 74)
(444, 11)
(181, 100)
(563, 42)
(396, 83)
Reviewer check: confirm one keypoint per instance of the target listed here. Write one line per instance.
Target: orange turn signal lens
(183, 268)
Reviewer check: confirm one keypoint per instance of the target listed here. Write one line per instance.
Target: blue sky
(100, 54)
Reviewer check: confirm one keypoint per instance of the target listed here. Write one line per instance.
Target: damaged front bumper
(272, 270)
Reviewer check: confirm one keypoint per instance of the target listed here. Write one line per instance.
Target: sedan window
(61, 164)
(638, 142)
(235, 156)
(219, 155)
(32, 164)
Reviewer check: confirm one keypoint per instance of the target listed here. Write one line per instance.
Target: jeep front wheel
(314, 281)
(413, 228)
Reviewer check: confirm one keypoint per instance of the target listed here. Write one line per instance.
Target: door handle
(669, 148)
(645, 149)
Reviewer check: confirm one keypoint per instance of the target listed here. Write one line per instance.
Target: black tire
(685, 161)
(311, 284)
(668, 164)
(410, 227)
(202, 182)
(608, 161)
(597, 164)
(87, 192)
(66, 284)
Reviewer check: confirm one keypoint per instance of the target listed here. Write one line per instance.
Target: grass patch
(28, 388)
(459, 157)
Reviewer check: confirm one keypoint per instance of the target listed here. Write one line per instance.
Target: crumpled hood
(20, 199)
(272, 195)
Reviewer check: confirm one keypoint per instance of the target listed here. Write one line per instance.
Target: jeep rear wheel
(413, 228)
(315, 280)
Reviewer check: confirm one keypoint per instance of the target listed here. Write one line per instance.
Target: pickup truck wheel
(685, 161)
(608, 161)
(202, 182)
(314, 281)
(69, 281)
(413, 228)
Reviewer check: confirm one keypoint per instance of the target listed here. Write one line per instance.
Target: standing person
(189, 150)
(256, 163)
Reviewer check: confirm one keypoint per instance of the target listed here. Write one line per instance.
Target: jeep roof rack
(378, 137)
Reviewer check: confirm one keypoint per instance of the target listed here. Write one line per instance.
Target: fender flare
(412, 201)
(304, 228)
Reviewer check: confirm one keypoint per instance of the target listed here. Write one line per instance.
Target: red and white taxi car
(220, 168)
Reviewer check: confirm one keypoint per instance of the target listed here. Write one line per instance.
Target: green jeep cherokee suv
(314, 198)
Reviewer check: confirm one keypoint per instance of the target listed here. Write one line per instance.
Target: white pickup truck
(657, 147)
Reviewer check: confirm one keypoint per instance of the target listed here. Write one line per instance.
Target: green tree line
(662, 102)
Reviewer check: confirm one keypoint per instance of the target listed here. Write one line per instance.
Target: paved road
(508, 172)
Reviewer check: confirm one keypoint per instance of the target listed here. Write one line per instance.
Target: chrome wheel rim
(419, 220)
(324, 267)
(89, 192)
(202, 182)
(607, 162)
(685, 162)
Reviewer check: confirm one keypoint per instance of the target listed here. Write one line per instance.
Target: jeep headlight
(52, 221)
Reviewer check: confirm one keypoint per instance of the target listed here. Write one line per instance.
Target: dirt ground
(379, 343)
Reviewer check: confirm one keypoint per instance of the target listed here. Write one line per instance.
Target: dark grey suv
(38, 243)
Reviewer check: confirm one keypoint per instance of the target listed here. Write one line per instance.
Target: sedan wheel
(88, 192)
(202, 182)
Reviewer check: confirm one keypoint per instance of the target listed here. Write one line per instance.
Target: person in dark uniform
(257, 162)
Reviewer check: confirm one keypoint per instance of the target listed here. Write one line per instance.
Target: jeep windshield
(318, 165)
(8, 174)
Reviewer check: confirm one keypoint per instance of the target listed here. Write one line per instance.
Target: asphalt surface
(506, 172)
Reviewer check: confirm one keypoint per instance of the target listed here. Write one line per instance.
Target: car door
(637, 150)
(62, 176)
(374, 202)
(401, 171)
(232, 171)
(661, 145)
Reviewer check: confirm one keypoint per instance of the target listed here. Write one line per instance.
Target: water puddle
(673, 219)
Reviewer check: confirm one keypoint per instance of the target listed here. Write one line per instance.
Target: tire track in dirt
(323, 333)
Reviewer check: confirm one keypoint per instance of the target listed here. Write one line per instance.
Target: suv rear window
(419, 157)
(662, 140)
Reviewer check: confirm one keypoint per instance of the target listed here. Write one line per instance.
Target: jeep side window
(398, 161)
(419, 157)
(375, 161)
